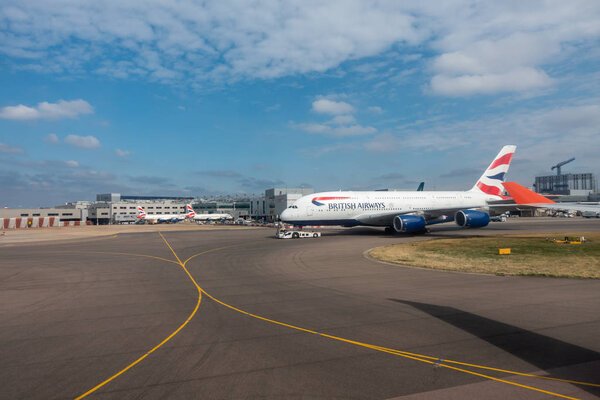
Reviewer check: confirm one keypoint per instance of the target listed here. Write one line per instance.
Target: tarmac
(238, 314)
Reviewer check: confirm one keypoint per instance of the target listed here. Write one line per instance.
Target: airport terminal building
(566, 184)
(115, 208)
(275, 200)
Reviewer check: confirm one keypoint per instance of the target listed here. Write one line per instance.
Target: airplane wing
(528, 198)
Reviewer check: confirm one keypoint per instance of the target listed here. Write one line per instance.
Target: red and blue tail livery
(190, 213)
(491, 181)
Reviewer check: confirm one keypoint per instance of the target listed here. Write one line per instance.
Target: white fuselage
(211, 217)
(164, 217)
(378, 208)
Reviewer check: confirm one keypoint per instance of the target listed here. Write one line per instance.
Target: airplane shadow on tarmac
(542, 351)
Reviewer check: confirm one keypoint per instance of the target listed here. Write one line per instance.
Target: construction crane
(560, 164)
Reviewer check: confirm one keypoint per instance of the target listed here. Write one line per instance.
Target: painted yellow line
(493, 369)
(413, 356)
(398, 352)
(131, 254)
(92, 390)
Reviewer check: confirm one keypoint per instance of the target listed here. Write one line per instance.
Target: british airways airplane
(205, 217)
(406, 212)
(164, 217)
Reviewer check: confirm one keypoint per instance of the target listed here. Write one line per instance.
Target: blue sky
(186, 98)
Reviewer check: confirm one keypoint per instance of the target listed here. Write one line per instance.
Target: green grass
(530, 255)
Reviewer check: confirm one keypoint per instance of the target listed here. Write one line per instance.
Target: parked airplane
(525, 197)
(161, 217)
(205, 217)
(405, 211)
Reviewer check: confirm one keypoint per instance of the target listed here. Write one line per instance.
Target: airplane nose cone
(285, 215)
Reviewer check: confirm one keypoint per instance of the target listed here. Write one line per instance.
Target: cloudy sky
(200, 98)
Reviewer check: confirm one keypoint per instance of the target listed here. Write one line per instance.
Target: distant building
(113, 197)
(259, 209)
(63, 214)
(235, 208)
(566, 184)
(102, 213)
(278, 199)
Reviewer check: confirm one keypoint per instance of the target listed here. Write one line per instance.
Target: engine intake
(471, 219)
(409, 223)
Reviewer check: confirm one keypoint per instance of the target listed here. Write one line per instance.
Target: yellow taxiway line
(436, 361)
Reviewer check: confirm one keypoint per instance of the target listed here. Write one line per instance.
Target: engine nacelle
(471, 219)
(409, 223)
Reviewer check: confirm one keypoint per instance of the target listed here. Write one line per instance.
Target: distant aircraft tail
(491, 181)
(522, 195)
(190, 213)
(141, 212)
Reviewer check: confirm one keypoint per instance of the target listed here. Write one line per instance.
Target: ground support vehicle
(295, 234)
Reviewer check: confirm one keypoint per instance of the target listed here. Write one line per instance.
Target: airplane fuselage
(377, 208)
(211, 217)
(163, 217)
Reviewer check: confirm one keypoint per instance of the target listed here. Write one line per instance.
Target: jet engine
(409, 223)
(471, 219)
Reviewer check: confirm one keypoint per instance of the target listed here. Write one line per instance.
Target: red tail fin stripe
(505, 159)
(492, 190)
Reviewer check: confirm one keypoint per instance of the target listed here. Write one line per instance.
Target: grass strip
(531, 255)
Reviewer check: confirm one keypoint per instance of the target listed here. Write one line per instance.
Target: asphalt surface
(76, 314)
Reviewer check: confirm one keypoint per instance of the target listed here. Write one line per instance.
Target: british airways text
(354, 206)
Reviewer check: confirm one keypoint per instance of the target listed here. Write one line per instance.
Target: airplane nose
(285, 214)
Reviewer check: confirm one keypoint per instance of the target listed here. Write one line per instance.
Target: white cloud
(19, 112)
(6, 149)
(205, 41)
(45, 110)
(326, 106)
(122, 153)
(375, 110)
(343, 120)
(314, 128)
(72, 163)
(83, 142)
(516, 80)
(493, 66)
(51, 138)
(543, 136)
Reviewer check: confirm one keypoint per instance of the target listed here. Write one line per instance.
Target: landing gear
(389, 230)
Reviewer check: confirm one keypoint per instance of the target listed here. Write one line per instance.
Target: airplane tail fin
(490, 182)
(141, 212)
(190, 213)
(522, 195)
